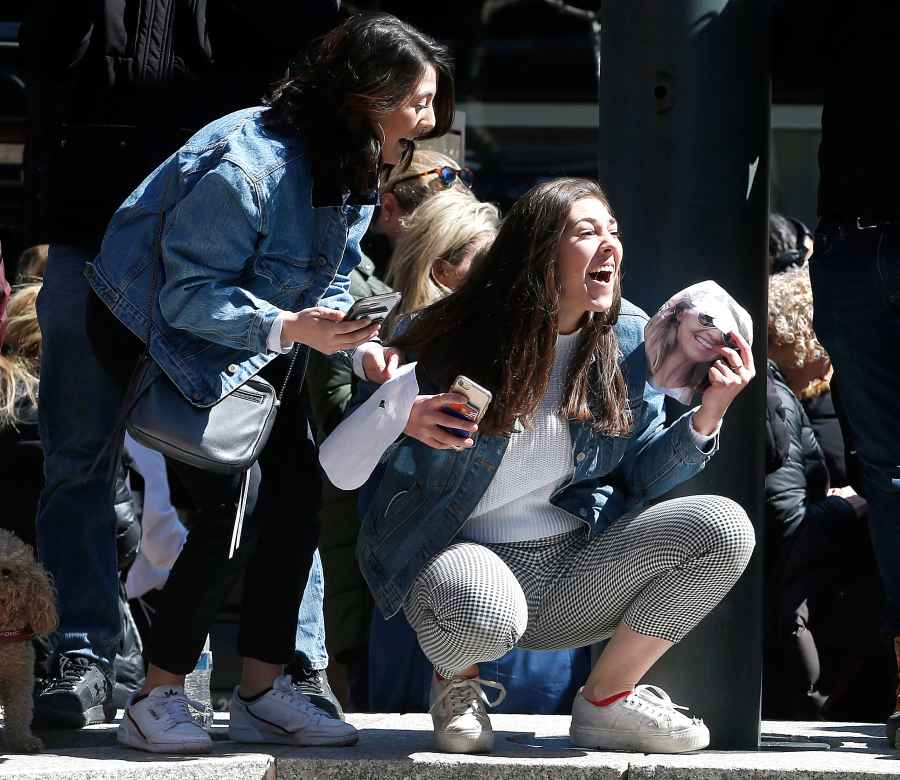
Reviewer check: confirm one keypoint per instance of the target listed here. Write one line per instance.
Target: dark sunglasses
(708, 322)
(446, 174)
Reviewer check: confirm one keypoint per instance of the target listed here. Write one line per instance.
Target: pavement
(528, 747)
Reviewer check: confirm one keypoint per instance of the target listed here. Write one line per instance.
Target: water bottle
(196, 686)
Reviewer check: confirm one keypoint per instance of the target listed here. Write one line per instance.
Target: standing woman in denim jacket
(257, 220)
(537, 532)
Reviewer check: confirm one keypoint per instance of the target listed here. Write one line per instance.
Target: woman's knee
(727, 530)
(470, 594)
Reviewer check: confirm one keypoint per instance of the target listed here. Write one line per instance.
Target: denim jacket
(242, 239)
(419, 498)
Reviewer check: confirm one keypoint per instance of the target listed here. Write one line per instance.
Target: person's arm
(350, 454)
(208, 241)
(659, 458)
(209, 238)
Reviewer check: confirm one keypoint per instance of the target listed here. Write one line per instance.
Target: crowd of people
(529, 532)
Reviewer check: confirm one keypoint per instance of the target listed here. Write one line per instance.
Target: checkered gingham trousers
(660, 572)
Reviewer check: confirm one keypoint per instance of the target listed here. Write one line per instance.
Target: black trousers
(280, 531)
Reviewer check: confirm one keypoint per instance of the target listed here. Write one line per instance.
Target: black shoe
(78, 694)
(890, 729)
(313, 683)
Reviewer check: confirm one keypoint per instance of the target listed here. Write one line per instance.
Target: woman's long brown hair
(500, 326)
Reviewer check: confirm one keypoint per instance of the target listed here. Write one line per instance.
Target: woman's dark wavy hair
(500, 326)
(362, 70)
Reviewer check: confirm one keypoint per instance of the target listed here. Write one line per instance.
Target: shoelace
(308, 681)
(71, 670)
(285, 690)
(464, 693)
(653, 698)
(177, 709)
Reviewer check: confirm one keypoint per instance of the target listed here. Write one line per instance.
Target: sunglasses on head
(446, 174)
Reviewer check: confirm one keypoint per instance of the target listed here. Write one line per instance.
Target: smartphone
(374, 308)
(477, 400)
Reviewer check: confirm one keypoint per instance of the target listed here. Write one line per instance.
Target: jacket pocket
(284, 273)
(399, 509)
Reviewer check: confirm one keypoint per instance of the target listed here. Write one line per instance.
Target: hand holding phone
(477, 400)
(374, 307)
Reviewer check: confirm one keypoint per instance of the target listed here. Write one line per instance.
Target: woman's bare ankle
(472, 671)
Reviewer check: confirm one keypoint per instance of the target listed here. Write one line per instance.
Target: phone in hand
(374, 307)
(477, 400)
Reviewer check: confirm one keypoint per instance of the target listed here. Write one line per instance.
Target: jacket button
(582, 512)
(579, 457)
(322, 261)
(232, 369)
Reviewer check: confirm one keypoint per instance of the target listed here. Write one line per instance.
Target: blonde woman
(405, 189)
(442, 240)
(20, 446)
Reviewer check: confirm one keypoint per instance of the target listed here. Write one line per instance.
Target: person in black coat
(818, 546)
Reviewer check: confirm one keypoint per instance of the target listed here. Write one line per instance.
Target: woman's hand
(856, 501)
(427, 414)
(380, 363)
(325, 330)
(728, 376)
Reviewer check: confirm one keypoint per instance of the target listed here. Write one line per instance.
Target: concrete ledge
(398, 747)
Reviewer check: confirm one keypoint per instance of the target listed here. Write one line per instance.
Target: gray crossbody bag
(226, 437)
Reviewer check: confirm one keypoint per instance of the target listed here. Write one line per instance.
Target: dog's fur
(27, 599)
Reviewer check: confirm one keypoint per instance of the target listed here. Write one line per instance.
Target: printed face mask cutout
(687, 334)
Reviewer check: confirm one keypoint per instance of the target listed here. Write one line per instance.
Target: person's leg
(310, 662)
(309, 640)
(79, 401)
(855, 277)
(267, 706)
(466, 607)
(646, 582)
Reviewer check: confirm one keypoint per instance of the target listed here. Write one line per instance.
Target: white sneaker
(645, 721)
(461, 722)
(285, 716)
(162, 723)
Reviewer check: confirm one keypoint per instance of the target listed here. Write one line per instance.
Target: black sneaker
(79, 694)
(313, 683)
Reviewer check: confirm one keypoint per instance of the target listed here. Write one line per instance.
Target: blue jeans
(76, 522)
(856, 289)
(310, 642)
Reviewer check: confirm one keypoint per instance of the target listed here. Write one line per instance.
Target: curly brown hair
(791, 315)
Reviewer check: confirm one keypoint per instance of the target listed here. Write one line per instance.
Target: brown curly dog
(27, 608)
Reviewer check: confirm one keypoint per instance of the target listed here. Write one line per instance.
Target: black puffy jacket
(796, 493)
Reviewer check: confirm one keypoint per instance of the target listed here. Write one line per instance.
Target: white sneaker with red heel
(644, 721)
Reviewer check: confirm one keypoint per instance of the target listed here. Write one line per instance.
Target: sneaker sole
(74, 719)
(130, 737)
(456, 742)
(252, 735)
(639, 741)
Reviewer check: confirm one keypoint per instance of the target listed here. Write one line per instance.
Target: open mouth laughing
(603, 275)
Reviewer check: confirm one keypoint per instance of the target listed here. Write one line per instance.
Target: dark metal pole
(684, 136)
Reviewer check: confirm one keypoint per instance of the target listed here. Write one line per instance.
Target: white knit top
(538, 461)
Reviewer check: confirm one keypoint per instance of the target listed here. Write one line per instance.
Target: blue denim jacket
(233, 216)
(419, 498)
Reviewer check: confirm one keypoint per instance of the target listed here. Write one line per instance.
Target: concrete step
(398, 747)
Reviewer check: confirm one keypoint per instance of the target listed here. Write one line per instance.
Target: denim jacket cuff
(694, 447)
(260, 327)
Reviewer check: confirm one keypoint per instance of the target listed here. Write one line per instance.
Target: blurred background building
(527, 82)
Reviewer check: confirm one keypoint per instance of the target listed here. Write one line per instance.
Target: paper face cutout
(686, 335)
